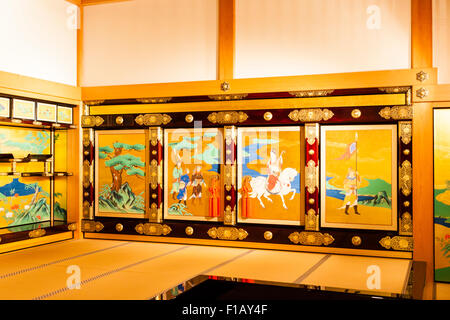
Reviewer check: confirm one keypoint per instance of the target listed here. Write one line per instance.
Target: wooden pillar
(423, 191)
(421, 34)
(422, 57)
(225, 63)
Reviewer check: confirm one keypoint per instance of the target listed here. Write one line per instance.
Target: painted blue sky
(250, 153)
(18, 187)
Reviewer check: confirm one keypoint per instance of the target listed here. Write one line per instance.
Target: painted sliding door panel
(24, 200)
(442, 194)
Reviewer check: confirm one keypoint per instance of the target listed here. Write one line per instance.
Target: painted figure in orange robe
(214, 197)
(274, 169)
(247, 201)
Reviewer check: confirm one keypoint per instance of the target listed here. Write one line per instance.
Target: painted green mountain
(59, 213)
(375, 187)
(38, 212)
(123, 201)
(381, 199)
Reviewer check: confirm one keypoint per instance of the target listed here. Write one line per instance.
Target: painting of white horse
(283, 187)
(270, 162)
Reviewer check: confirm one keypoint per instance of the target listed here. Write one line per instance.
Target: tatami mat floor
(133, 270)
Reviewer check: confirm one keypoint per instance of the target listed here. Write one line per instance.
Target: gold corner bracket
(227, 233)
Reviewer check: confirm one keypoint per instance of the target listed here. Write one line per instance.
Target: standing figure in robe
(176, 174)
(214, 197)
(197, 181)
(247, 201)
(182, 190)
(351, 184)
(274, 168)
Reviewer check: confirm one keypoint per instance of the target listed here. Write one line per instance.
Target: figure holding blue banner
(352, 181)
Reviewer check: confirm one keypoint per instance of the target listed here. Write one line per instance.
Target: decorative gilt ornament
(72, 227)
(153, 229)
(311, 93)
(422, 76)
(394, 89)
(155, 213)
(311, 238)
(139, 228)
(227, 233)
(229, 217)
(86, 137)
(406, 203)
(225, 86)
(222, 97)
(406, 152)
(405, 225)
(311, 115)
(311, 152)
(405, 131)
(154, 119)
(86, 174)
(422, 93)
(155, 136)
(154, 173)
(268, 116)
(268, 235)
(154, 100)
(189, 231)
(356, 113)
(311, 177)
(37, 233)
(356, 240)
(119, 120)
(189, 118)
(119, 227)
(93, 102)
(311, 133)
(91, 226)
(227, 117)
(406, 178)
(397, 243)
(408, 100)
(91, 121)
(311, 220)
(86, 209)
(397, 112)
(229, 176)
(311, 201)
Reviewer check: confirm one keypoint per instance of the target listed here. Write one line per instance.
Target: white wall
(298, 37)
(441, 39)
(38, 39)
(149, 41)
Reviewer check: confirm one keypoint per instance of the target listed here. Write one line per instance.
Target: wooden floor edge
(25, 244)
(250, 245)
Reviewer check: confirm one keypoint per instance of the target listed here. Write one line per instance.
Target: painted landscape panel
(359, 177)
(24, 200)
(442, 194)
(4, 107)
(192, 174)
(120, 173)
(269, 175)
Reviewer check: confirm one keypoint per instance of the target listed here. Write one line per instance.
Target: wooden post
(421, 34)
(225, 63)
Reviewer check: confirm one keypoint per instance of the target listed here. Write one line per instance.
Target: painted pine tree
(119, 162)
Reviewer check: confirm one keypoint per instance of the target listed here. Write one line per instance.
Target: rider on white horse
(274, 168)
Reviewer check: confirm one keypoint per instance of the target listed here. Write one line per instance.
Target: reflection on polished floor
(133, 270)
